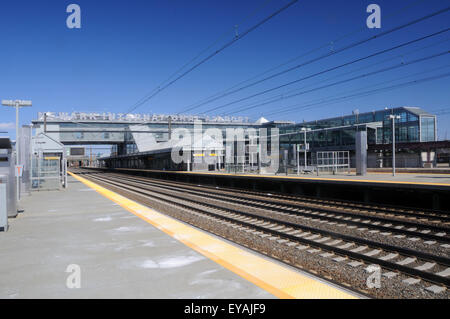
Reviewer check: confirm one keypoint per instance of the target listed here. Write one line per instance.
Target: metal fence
(333, 162)
(25, 159)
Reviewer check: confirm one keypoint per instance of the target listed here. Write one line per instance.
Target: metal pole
(251, 154)
(286, 161)
(298, 159)
(39, 169)
(305, 151)
(17, 149)
(393, 146)
(170, 127)
(65, 172)
(259, 157)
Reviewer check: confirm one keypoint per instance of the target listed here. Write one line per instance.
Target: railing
(333, 162)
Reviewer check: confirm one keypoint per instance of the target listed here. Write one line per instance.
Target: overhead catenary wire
(327, 44)
(302, 106)
(283, 96)
(222, 36)
(353, 93)
(235, 39)
(276, 98)
(361, 76)
(347, 47)
(320, 73)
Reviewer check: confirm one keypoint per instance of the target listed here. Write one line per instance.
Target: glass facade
(427, 129)
(413, 125)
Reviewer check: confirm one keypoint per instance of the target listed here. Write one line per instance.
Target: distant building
(414, 125)
(415, 128)
(143, 140)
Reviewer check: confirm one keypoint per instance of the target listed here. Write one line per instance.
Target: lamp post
(393, 118)
(304, 130)
(17, 104)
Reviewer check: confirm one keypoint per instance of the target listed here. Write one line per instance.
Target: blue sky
(124, 49)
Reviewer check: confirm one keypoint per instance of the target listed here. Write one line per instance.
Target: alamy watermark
(208, 146)
(374, 279)
(74, 279)
(373, 20)
(73, 21)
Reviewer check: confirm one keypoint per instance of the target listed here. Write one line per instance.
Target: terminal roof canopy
(417, 111)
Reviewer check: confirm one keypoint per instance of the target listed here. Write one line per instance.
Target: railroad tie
(359, 249)
(389, 256)
(406, 261)
(444, 273)
(373, 252)
(426, 266)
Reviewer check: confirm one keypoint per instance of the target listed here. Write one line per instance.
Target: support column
(361, 153)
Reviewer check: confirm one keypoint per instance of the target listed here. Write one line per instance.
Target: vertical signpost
(17, 104)
(393, 118)
(259, 157)
(286, 154)
(304, 130)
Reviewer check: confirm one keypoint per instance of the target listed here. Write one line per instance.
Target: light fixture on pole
(393, 118)
(17, 104)
(304, 130)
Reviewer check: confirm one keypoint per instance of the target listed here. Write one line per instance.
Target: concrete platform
(126, 250)
(430, 179)
(381, 178)
(119, 254)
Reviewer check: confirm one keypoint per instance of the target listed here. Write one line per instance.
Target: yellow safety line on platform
(270, 276)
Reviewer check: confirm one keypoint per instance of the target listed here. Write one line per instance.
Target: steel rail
(241, 199)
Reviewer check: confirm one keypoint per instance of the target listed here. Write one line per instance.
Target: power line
(238, 37)
(355, 44)
(201, 102)
(201, 53)
(359, 77)
(341, 98)
(325, 71)
(441, 111)
(277, 97)
(365, 93)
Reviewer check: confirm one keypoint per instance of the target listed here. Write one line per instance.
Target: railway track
(336, 256)
(342, 204)
(414, 229)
